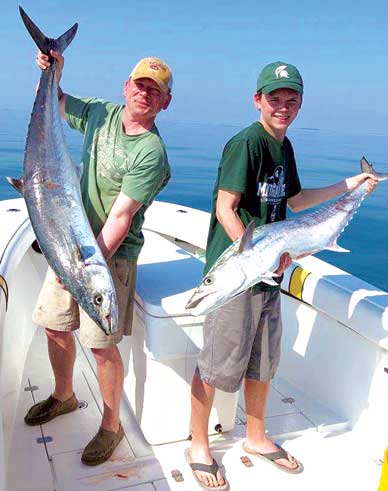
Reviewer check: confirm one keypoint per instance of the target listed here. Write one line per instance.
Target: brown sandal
(272, 457)
(210, 469)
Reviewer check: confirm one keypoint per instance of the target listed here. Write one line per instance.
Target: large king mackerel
(255, 256)
(50, 186)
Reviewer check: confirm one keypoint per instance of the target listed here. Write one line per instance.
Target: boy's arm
(307, 198)
(226, 213)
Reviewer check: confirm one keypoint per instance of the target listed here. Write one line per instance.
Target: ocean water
(323, 157)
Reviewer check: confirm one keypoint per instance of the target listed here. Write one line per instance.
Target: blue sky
(215, 49)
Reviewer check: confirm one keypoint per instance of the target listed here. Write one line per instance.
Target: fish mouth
(105, 324)
(108, 319)
(196, 299)
(192, 303)
(111, 320)
(108, 324)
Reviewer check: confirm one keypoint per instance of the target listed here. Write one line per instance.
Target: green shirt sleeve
(294, 186)
(233, 166)
(147, 176)
(77, 111)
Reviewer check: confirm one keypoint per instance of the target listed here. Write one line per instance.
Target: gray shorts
(241, 339)
(57, 310)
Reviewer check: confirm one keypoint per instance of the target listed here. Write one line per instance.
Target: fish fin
(76, 254)
(18, 184)
(81, 253)
(79, 169)
(366, 166)
(268, 278)
(44, 43)
(75, 249)
(87, 254)
(336, 248)
(246, 239)
(269, 281)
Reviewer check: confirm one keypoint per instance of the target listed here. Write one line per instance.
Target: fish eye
(208, 280)
(97, 300)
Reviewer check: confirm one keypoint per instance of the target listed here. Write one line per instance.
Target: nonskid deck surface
(332, 456)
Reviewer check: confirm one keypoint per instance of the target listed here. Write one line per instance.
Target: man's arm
(307, 198)
(43, 63)
(62, 102)
(117, 224)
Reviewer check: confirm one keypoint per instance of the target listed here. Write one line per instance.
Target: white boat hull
(331, 381)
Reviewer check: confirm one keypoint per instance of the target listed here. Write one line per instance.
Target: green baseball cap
(279, 75)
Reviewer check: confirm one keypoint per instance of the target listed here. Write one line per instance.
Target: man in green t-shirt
(257, 179)
(124, 167)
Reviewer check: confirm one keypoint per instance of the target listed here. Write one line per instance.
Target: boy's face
(278, 109)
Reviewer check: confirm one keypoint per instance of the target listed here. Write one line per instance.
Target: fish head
(101, 304)
(219, 285)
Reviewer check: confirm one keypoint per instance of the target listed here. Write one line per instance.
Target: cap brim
(281, 84)
(164, 87)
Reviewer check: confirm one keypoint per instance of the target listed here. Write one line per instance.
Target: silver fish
(253, 258)
(50, 187)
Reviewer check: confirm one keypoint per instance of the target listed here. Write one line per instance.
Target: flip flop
(210, 469)
(272, 457)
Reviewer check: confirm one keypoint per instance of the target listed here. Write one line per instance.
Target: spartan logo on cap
(281, 72)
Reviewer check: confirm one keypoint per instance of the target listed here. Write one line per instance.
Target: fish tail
(65, 39)
(44, 43)
(367, 167)
(18, 184)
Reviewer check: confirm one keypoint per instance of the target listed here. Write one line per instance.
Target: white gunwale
(328, 403)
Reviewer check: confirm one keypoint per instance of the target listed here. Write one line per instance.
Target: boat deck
(48, 457)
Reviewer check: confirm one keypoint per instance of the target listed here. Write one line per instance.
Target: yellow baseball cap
(155, 69)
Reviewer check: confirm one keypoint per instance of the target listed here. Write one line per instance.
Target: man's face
(144, 98)
(278, 110)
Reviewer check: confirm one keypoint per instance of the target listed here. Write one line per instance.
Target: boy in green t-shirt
(124, 166)
(257, 179)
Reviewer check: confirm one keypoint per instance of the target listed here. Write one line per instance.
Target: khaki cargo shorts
(57, 310)
(241, 339)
